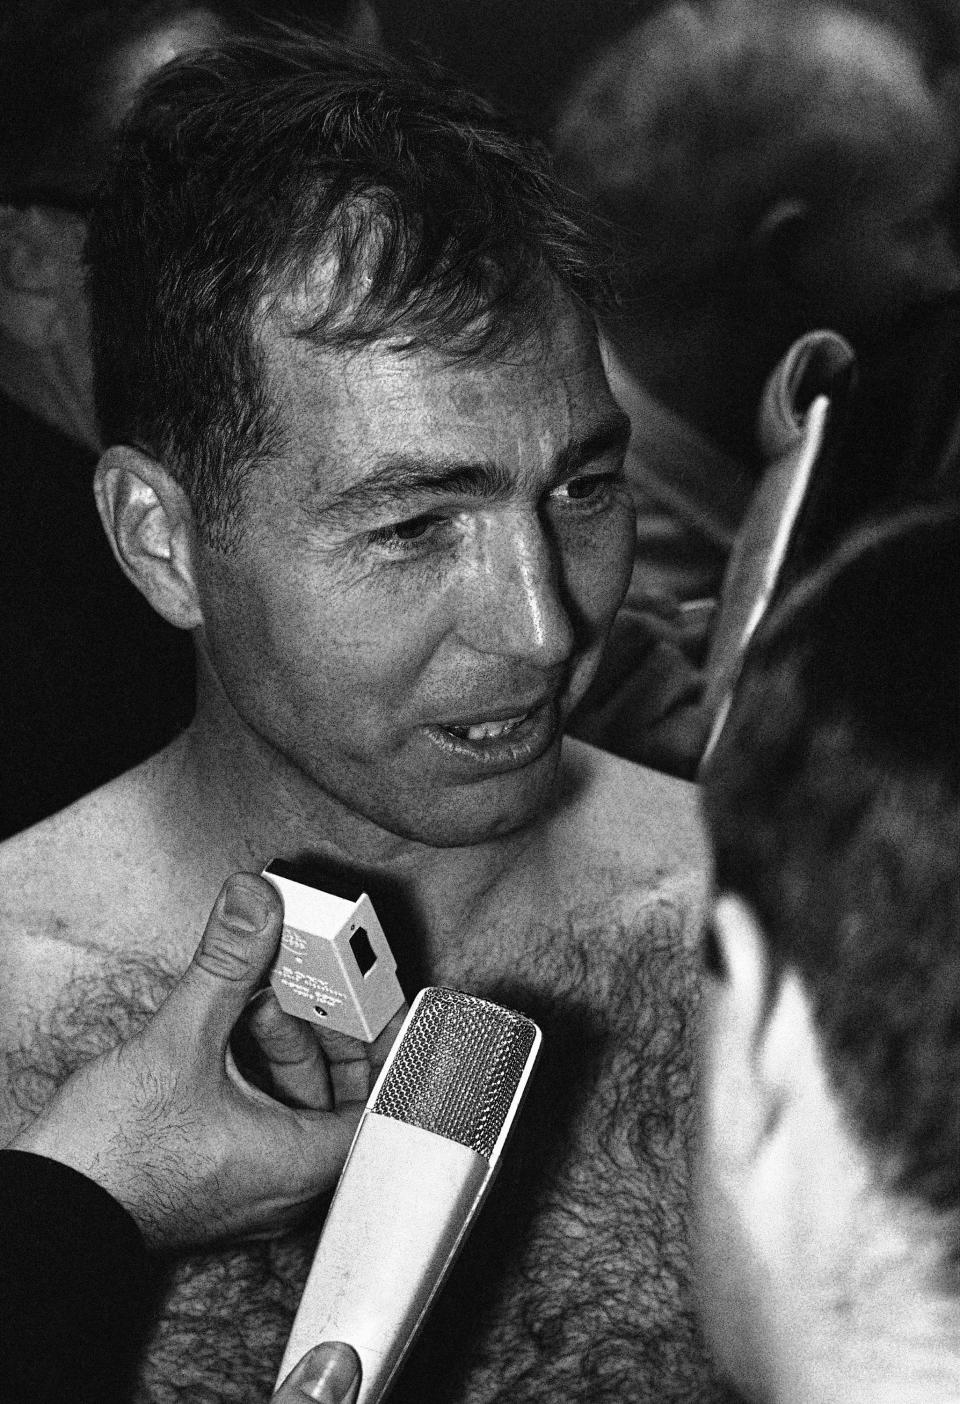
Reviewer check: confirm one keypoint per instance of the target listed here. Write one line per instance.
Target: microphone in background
(422, 1161)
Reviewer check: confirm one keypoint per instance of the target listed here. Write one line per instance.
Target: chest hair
(575, 1283)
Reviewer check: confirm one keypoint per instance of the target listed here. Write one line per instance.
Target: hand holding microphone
(168, 1126)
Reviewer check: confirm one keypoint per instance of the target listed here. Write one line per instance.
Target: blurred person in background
(895, 441)
(92, 680)
(828, 1192)
(764, 172)
(525, 57)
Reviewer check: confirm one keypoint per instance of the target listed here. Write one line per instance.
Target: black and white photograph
(480, 672)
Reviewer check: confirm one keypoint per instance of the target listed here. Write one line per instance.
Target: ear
(39, 259)
(150, 526)
(734, 1009)
(765, 1058)
(778, 231)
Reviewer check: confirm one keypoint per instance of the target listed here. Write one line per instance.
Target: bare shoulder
(80, 963)
(68, 876)
(89, 874)
(633, 810)
(45, 868)
(632, 832)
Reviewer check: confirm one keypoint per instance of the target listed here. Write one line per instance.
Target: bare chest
(575, 1283)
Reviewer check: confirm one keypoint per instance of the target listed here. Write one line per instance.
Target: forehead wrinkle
(341, 410)
(400, 477)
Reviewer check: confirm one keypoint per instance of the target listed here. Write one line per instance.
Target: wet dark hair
(833, 803)
(240, 167)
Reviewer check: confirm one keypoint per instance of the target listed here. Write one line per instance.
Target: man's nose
(513, 604)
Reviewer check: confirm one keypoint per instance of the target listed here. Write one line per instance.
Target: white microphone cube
(333, 967)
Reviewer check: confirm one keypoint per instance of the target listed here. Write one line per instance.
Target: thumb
(235, 950)
(329, 1373)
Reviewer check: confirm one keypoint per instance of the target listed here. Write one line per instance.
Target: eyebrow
(398, 477)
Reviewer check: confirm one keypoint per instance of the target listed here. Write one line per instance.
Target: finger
(293, 1058)
(314, 1067)
(348, 1061)
(354, 1065)
(329, 1373)
(237, 945)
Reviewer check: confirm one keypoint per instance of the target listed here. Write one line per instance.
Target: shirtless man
(362, 447)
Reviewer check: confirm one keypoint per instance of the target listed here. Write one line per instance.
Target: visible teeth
(486, 731)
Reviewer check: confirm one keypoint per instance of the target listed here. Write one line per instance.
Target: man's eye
(579, 488)
(589, 488)
(411, 530)
(405, 535)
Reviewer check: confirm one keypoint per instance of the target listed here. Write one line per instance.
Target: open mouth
(488, 730)
(498, 743)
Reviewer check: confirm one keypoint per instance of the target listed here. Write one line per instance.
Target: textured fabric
(645, 703)
(77, 1286)
(689, 499)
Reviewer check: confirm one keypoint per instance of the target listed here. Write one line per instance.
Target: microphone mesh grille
(457, 1068)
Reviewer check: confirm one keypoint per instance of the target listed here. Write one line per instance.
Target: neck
(898, 1367)
(887, 1334)
(247, 805)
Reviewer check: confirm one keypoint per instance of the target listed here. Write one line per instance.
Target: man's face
(426, 576)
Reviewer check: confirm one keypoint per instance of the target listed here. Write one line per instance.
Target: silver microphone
(422, 1161)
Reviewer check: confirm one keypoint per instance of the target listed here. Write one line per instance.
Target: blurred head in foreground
(829, 1183)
